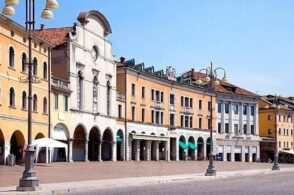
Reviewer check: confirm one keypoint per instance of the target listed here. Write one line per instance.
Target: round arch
(200, 148)
(120, 145)
(39, 136)
(106, 148)
(191, 148)
(93, 144)
(2, 148)
(17, 143)
(79, 139)
(60, 132)
(182, 147)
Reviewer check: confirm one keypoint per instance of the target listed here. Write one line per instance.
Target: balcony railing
(120, 96)
(59, 83)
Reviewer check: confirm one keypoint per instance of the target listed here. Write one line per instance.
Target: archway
(106, 149)
(60, 132)
(191, 148)
(120, 145)
(17, 142)
(93, 145)
(200, 148)
(208, 147)
(2, 148)
(79, 144)
(182, 148)
(39, 136)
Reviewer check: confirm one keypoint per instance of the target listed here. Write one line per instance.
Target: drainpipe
(126, 115)
(49, 92)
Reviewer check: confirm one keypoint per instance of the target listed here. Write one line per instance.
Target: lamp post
(212, 80)
(276, 158)
(29, 181)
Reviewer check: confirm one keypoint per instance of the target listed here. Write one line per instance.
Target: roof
(283, 102)
(223, 87)
(55, 36)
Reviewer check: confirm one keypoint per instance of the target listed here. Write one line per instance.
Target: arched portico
(17, 142)
(200, 148)
(107, 141)
(79, 142)
(182, 148)
(39, 136)
(120, 145)
(60, 132)
(191, 148)
(94, 144)
(2, 148)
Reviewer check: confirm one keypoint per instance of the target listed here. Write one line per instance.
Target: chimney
(122, 59)
(42, 26)
(192, 70)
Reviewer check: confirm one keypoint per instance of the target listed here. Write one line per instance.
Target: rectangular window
(279, 144)
(152, 116)
(56, 101)
(172, 119)
(191, 102)
(209, 123)
(200, 123)
(269, 131)
(236, 128)
(186, 121)
(235, 108)
(161, 118)
(152, 94)
(0, 96)
(252, 110)
(191, 122)
(219, 107)
(280, 131)
(182, 121)
(171, 99)
(252, 129)
(244, 110)
(161, 96)
(182, 101)
(133, 113)
(143, 92)
(119, 111)
(226, 108)
(200, 104)
(157, 96)
(65, 103)
(244, 128)
(209, 105)
(219, 127)
(186, 102)
(226, 127)
(143, 115)
(133, 89)
(157, 117)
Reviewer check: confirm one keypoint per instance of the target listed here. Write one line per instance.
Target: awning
(183, 145)
(150, 137)
(118, 139)
(287, 151)
(191, 145)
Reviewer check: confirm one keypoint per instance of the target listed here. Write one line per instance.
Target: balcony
(60, 85)
(120, 96)
(187, 110)
(172, 107)
(157, 104)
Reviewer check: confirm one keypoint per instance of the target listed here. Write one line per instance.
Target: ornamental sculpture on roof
(171, 73)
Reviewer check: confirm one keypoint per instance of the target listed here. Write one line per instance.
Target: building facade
(277, 124)
(237, 123)
(83, 59)
(166, 118)
(14, 89)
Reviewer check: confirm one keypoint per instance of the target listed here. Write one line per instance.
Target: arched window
(24, 63)
(80, 90)
(11, 57)
(108, 97)
(35, 67)
(45, 71)
(24, 100)
(95, 94)
(45, 106)
(35, 103)
(11, 97)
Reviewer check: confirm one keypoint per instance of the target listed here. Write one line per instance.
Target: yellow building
(276, 122)
(166, 118)
(14, 89)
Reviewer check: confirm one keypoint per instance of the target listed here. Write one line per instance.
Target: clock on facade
(94, 53)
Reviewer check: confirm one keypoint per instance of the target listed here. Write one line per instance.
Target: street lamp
(276, 163)
(211, 79)
(29, 181)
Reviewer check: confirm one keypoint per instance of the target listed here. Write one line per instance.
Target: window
(157, 96)
(11, 57)
(186, 102)
(279, 117)
(226, 108)
(171, 99)
(143, 115)
(252, 110)
(244, 128)
(45, 106)
(80, 90)
(56, 101)
(24, 100)
(209, 123)
(11, 97)
(119, 111)
(269, 117)
(161, 118)
(291, 132)
(133, 113)
(279, 144)
(95, 94)
(219, 107)
(191, 102)
(235, 108)
(152, 94)
(172, 119)
(280, 131)
(200, 123)
(236, 128)
(35, 67)
(157, 115)
(226, 127)
(45, 71)
(219, 127)
(252, 129)
(182, 101)
(24, 62)
(108, 98)
(182, 120)
(35, 103)
(143, 93)
(133, 89)
(191, 122)
(209, 105)
(152, 116)
(65, 103)
(200, 104)
(161, 96)
(186, 121)
(269, 131)
(244, 110)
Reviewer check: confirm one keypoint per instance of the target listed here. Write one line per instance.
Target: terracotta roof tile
(55, 36)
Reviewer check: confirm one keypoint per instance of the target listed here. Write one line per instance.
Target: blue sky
(252, 39)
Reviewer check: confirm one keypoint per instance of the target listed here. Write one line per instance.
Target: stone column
(250, 153)
(137, 146)
(257, 153)
(241, 118)
(148, 150)
(204, 151)
(248, 120)
(256, 120)
(167, 151)
(122, 150)
(243, 154)
(230, 118)
(86, 151)
(113, 158)
(99, 150)
(70, 148)
(6, 152)
(225, 153)
(177, 150)
(233, 153)
(223, 117)
(157, 151)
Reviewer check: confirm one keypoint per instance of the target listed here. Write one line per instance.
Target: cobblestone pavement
(278, 183)
(83, 171)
